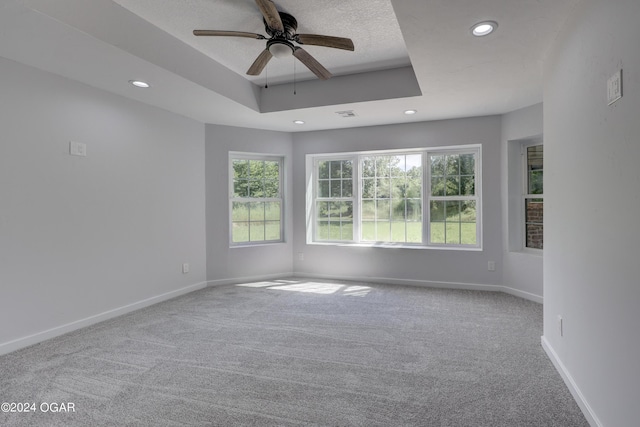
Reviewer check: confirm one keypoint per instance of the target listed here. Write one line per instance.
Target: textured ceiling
(371, 24)
(409, 54)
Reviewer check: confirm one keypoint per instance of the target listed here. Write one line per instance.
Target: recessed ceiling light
(484, 28)
(298, 122)
(410, 112)
(139, 83)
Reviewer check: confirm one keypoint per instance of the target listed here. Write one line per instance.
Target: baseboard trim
(406, 282)
(246, 279)
(588, 412)
(36, 338)
(427, 284)
(522, 294)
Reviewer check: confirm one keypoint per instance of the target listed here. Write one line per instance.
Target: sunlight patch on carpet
(310, 287)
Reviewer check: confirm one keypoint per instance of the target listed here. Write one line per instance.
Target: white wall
(225, 264)
(416, 266)
(82, 236)
(592, 202)
(522, 270)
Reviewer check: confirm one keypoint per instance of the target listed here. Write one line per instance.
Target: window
(533, 196)
(334, 202)
(391, 198)
(379, 197)
(255, 202)
(453, 201)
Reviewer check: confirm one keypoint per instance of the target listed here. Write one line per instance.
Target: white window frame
(234, 155)
(355, 182)
(526, 195)
(387, 153)
(477, 151)
(312, 161)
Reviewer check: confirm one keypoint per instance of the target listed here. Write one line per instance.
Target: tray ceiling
(409, 54)
(371, 24)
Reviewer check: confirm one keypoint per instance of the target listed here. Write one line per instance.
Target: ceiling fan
(281, 27)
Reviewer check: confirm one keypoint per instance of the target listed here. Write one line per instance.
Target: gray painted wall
(522, 271)
(418, 266)
(80, 237)
(592, 201)
(83, 239)
(225, 264)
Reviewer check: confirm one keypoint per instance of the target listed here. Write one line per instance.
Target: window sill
(397, 246)
(256, 244)
(528, 251)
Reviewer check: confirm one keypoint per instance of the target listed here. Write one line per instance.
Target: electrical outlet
(491, 266)
(185, 268)
(300, 256)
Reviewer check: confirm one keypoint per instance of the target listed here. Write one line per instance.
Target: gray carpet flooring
(297, 352)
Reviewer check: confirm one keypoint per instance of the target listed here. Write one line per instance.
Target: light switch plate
(77, 149)
(614, 87)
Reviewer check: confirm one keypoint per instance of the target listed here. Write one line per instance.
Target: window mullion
(356, 183)
(426, 198)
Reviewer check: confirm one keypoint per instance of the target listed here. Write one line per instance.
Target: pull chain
(266, 77)
(294, 76)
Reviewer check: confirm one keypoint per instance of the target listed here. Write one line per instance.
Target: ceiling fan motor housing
(288, 22)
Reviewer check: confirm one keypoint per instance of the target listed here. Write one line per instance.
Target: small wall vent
(346, 114)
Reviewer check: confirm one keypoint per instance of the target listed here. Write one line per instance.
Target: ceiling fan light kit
(281, 28)
(280, 49)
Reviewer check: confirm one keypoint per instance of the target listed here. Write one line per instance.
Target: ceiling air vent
(346, 114)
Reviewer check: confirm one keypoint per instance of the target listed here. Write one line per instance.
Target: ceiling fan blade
(311, 63)
(228, 34)
(327, 41)
(260, 62)
(271, 15)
